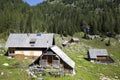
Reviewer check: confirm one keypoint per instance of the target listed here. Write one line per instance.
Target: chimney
(28, 34)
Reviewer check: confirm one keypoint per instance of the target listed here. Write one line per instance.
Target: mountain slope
(64, 17)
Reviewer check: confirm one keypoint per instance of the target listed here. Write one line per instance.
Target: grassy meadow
(85, 70)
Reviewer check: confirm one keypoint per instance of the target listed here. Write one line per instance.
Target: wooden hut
(65, 43)
(74, 40)
(99, 55)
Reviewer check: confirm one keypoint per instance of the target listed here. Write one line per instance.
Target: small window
(11, 51)
(32, 41)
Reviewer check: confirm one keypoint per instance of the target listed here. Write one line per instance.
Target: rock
(30, 73)
(1, 73)
(34, 76)
(26, 58)
(105, 78)
(102, 77)
(10, 72)
(40, 79)
(6, 64)
(119, 40)
(9, 57)
(79, 66)
(116, 77)
(101, 74)
(1, 54)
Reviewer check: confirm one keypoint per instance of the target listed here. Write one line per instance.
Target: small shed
(74, 40)
(55, 61)
(91, 37)
(99, 55)
(65, 43)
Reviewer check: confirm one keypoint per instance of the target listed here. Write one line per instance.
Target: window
(32, 41)
(11, 51)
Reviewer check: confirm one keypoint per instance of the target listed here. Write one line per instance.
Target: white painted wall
(29, 53)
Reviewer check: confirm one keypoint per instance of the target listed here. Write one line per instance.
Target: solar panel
(38, 34)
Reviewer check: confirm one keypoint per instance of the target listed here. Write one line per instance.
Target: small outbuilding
(65, 43)
(74, 40)
(99, 55)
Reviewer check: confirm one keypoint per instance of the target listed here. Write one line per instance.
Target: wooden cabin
(74, 40)
(53, 61)
(65, 43)
(99, 55)
(28, 45)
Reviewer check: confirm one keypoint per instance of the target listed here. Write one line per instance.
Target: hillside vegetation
(85, 70)
(64, 17)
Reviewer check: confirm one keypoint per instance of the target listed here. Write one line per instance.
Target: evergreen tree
(29, 24)
(61, 16)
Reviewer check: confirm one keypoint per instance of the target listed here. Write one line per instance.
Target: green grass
(85, 70)
(13, 72)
